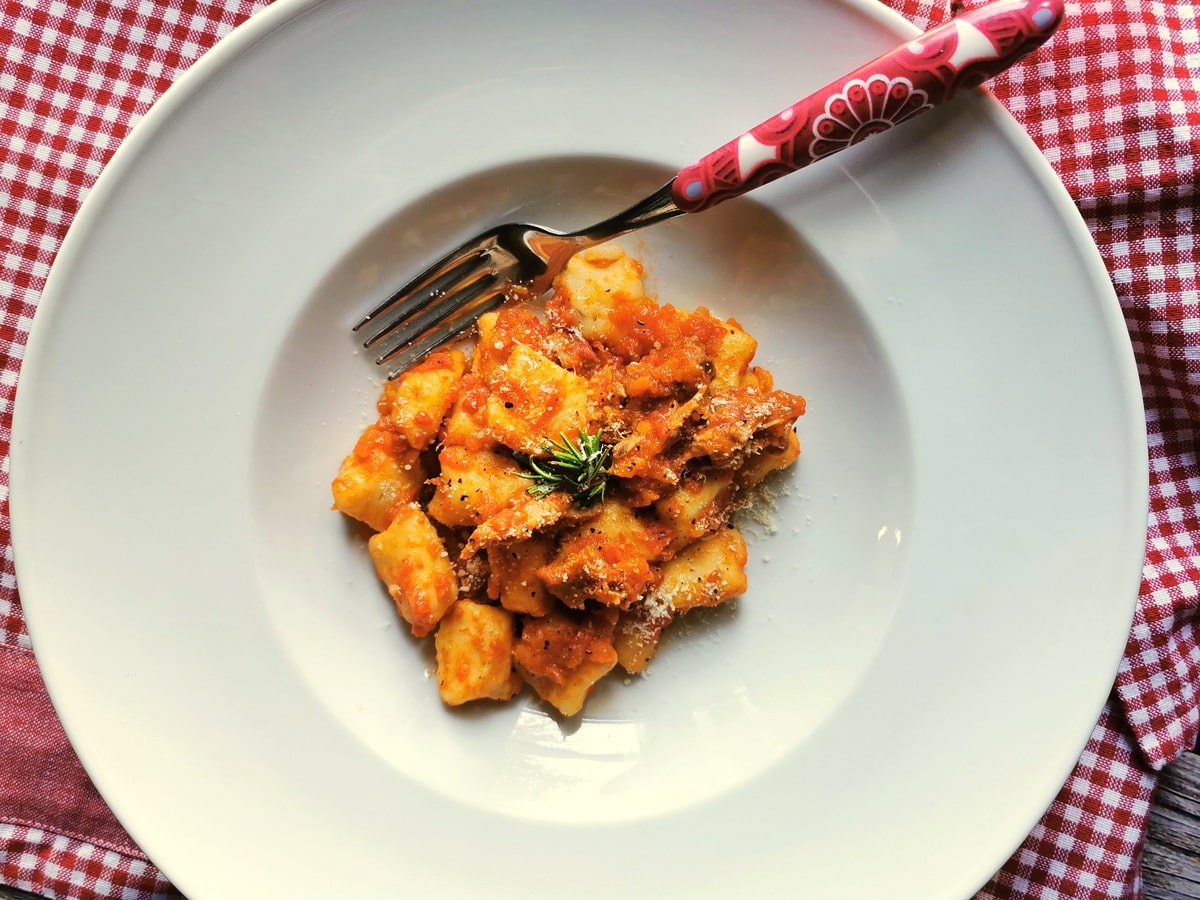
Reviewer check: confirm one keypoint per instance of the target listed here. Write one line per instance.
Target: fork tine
(415, 326)
(443, 292)
(426, 287)
(418, 339)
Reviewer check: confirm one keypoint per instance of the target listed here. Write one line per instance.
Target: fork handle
(905, 82)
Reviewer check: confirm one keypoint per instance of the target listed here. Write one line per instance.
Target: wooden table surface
(1171, 861)
(1170, 864)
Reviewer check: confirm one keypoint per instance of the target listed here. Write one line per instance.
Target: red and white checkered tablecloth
(1112, 102)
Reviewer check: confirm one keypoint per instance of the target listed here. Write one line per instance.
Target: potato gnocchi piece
(474, 652)
(417, 401)
(638, 632)
(768, 460)
(534, 399)
(569, 696)
(732, 359)
(414, 566)
(465, 424)
(707, 573)
(514, 577)
(501, 331)
(537, 576)
(380, 475)
(697, 507)
(601, 285)
(563, 655)
(474, 485)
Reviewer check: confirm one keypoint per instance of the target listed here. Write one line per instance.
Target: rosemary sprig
(579, 467)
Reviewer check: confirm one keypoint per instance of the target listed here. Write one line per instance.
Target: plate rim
(243, 38)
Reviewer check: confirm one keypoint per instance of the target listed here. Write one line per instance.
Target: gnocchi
(470, 481)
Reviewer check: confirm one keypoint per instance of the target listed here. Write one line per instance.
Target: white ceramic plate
(938, 600)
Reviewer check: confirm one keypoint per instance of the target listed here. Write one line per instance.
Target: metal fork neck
(655, 208)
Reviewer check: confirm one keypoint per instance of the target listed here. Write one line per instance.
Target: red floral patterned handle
(915, 77)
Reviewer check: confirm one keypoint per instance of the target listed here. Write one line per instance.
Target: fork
(444, 300)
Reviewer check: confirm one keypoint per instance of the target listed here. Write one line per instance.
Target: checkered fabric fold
(1111, 102)
(53, 865)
